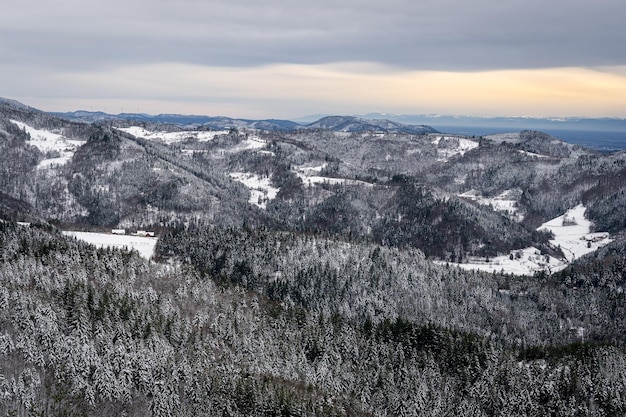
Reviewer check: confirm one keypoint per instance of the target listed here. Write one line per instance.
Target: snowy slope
(172, 137)
(251, 143)
(506, 202)
(449, 146)
(524, 262)
(143, 245)
(47, 141)
(572, 233)
(310, 175)
(261, 189)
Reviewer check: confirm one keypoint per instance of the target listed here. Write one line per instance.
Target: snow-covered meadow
(452, 146)
(173, 137)
(505, 202)
(310, 175)
(252, 142)
(572, 234)
(47, 141)
(144, 245)
(261, 189)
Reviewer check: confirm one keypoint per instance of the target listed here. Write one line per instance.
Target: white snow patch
(252, 142)
(261, 189)
(513, 137)
(308, 176)
(315, 179)
(173, 137)
(571, 233)
(47, 141)
(457, 146)
(143, 245)
(525, 262)
(536, 155)
(309, 170)
(505, 202)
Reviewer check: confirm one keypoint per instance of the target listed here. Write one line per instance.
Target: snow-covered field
(173, 137)
(310, 176)
(525, 262)
(571, 233)
(47, 141)
(261, 189)
(251, 143)
(310, 180)
(143, 245)
(532, 154)
(506, 202)
(461, 145)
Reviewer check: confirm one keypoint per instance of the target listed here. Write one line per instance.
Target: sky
(291, 58)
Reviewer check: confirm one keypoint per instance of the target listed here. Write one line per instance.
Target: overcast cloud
(41, 40)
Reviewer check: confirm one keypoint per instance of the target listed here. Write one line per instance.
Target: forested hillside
(307, 271)
(394, 188)
(101, 332)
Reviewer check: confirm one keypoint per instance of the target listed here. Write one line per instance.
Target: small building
(118, 231)
(144, 233)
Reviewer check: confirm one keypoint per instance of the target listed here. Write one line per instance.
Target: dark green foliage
(607, 201)
(110, 334)
(448, 228)
(364, 281)
(299, 310)
(102, 145)
(555, 354)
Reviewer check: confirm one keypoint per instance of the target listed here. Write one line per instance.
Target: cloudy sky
(290, 58)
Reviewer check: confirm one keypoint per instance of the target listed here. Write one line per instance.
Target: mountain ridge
(310, 272)
(333, 123)
(342, 175)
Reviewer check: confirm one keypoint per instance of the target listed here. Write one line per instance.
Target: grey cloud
(439, 35)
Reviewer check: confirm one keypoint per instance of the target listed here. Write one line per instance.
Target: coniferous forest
(335, 298)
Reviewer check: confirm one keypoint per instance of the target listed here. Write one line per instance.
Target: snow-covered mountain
(356, 124)
(347, 268)
(333, 123)
(454, 197)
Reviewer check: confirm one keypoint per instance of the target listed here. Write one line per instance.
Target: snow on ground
(506, 202)
(310, 180)
(571, 233)
(261, 189)
(513, 137)
(143, 245)
(173, 137)
(309, 170)
(535, 155)
(47, 141)
(525, 262)
(252, 142)
(310, 176)
(448, 152)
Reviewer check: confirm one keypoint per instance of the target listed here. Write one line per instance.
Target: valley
(343, 267)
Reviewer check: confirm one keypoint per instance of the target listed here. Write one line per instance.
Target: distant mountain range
(606, 134)
(520, 123)
(333, 123)
(306, 271)
(603, 134)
